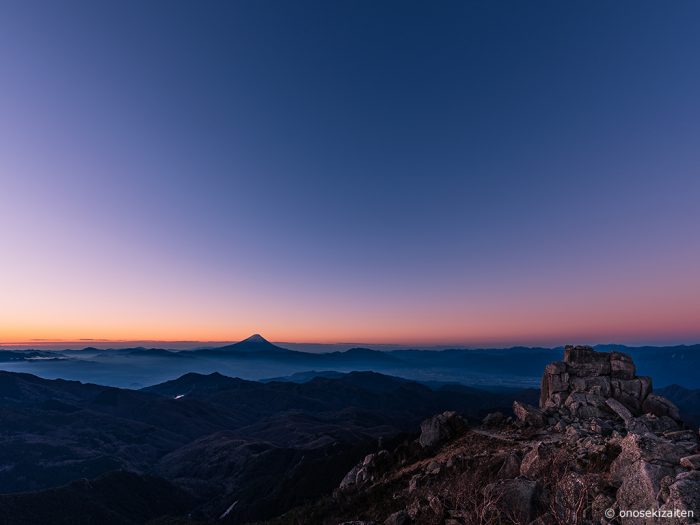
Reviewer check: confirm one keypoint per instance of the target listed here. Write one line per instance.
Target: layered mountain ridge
(257, 359)
(220, 439)
(596, 436)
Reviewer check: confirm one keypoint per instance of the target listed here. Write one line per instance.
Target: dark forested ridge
(220, 439)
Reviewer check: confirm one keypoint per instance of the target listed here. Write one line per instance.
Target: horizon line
(192, 344)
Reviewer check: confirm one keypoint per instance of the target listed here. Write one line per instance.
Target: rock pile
(601, 406)
(598, 385)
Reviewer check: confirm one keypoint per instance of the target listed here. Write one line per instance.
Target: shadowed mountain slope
(117, 498)
(223, 440)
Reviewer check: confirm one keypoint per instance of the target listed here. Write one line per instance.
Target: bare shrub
(569, 492)
(475, 504)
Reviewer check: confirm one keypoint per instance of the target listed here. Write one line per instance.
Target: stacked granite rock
(588, 384)
(596, 400)
(586, 378)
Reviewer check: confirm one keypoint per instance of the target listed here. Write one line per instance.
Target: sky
(476, 173)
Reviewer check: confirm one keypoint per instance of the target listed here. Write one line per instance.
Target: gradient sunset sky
(473, 173)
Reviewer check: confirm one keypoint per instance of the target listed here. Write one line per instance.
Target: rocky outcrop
(644, 462)
(537, 460)
(599, 392)
(589, 384)
(366, 471)
(660, 406)
(683, 495)
(438, 429)
(510, 467)
(517, 497)
(527, 414)
(618, 408)
(600, 440)
(494, 419)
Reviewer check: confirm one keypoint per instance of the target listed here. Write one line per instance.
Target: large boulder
(528, 415)
(586, 405)
(619, 409)
(510, 467)
(599, 385)
(351, 478)
(660, 406)
(516, 500)
(584, 361)
(555, 379)
(438, 429)
(537, 461)
(621, 366)
(643, 463)
(641, 485)
(684, 495)
(630, 392)
(367, 470)
(652, 423)
(494, 419)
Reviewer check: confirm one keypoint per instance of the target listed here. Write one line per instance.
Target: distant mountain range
(256, 358)
(209, 447)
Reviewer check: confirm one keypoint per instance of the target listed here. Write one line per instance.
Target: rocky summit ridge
(596, 398)
(598, 386)
(601, 448)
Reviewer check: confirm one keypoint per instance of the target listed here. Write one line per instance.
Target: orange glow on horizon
(165, 308)
(488, 333)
